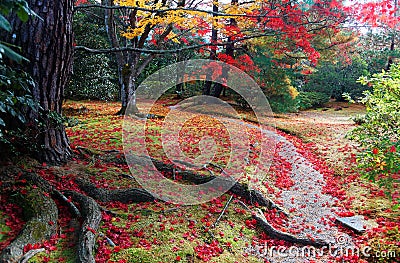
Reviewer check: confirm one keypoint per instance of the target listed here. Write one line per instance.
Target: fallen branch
(223, 211)
(109, 241)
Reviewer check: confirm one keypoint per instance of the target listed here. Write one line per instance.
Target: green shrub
(380, 132)
(16, 99)
(359, 119)
(334, 79)
(308, 100)
(278, 103)
(283, 103)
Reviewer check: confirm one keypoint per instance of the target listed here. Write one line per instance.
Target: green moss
(385, 251)
(62, 252)
(38, 229)
(32, 203)
(4, 229)
(137, 255)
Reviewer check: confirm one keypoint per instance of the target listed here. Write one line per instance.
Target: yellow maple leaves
(161, 14)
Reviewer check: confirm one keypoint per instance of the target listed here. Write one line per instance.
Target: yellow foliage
(293, 92)
(169, 14)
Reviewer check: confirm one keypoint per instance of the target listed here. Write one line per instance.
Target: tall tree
(132, 63)
(47, 42)
(213, 52)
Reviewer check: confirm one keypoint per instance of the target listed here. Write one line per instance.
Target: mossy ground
(161, 232)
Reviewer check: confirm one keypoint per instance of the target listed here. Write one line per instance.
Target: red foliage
(81, 2)
(375, 13)
(206, 251)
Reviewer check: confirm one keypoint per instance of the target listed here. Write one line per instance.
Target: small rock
(356, 223)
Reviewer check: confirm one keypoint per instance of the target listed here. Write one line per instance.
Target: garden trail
(313, 214)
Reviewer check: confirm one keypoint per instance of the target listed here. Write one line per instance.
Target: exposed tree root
(275, 233)
(120, 195)
(47, 187)
(41, 213)
(238, 189)
(91, 220)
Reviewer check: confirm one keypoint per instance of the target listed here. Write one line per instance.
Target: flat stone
(356, 223)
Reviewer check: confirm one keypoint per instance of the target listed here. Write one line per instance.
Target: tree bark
(42, 215)
(392, 41)
(48, 44)
(213, 53)
(229, 50)
(91, 221)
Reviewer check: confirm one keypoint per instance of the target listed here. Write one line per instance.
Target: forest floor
(153, 232)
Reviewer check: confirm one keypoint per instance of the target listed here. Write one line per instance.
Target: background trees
(94, 76)
(220, 30)
(337, 78)
(295, 34)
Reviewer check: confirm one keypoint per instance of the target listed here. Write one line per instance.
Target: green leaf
(23, 14)
(21, 118)
(4, 24)
(11, 54)
(2, 107)
(12, 111)
(2, 123)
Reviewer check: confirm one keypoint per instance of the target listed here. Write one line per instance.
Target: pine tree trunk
(48, 44)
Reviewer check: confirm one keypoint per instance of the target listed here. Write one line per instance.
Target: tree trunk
(392, 42)
(48, 44)
(229, 50)
(213, 53)
(121, 58)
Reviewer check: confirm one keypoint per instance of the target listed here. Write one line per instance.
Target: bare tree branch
(164, 10)
(167, 51)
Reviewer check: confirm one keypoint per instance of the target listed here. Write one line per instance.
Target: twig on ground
(223, 211)
(219, 167)
(69, 203)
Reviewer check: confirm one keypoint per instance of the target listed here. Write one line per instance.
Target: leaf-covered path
(311, 208)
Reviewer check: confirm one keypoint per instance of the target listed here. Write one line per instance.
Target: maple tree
(150, 25)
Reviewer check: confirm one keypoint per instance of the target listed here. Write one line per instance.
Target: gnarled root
(91, 220)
